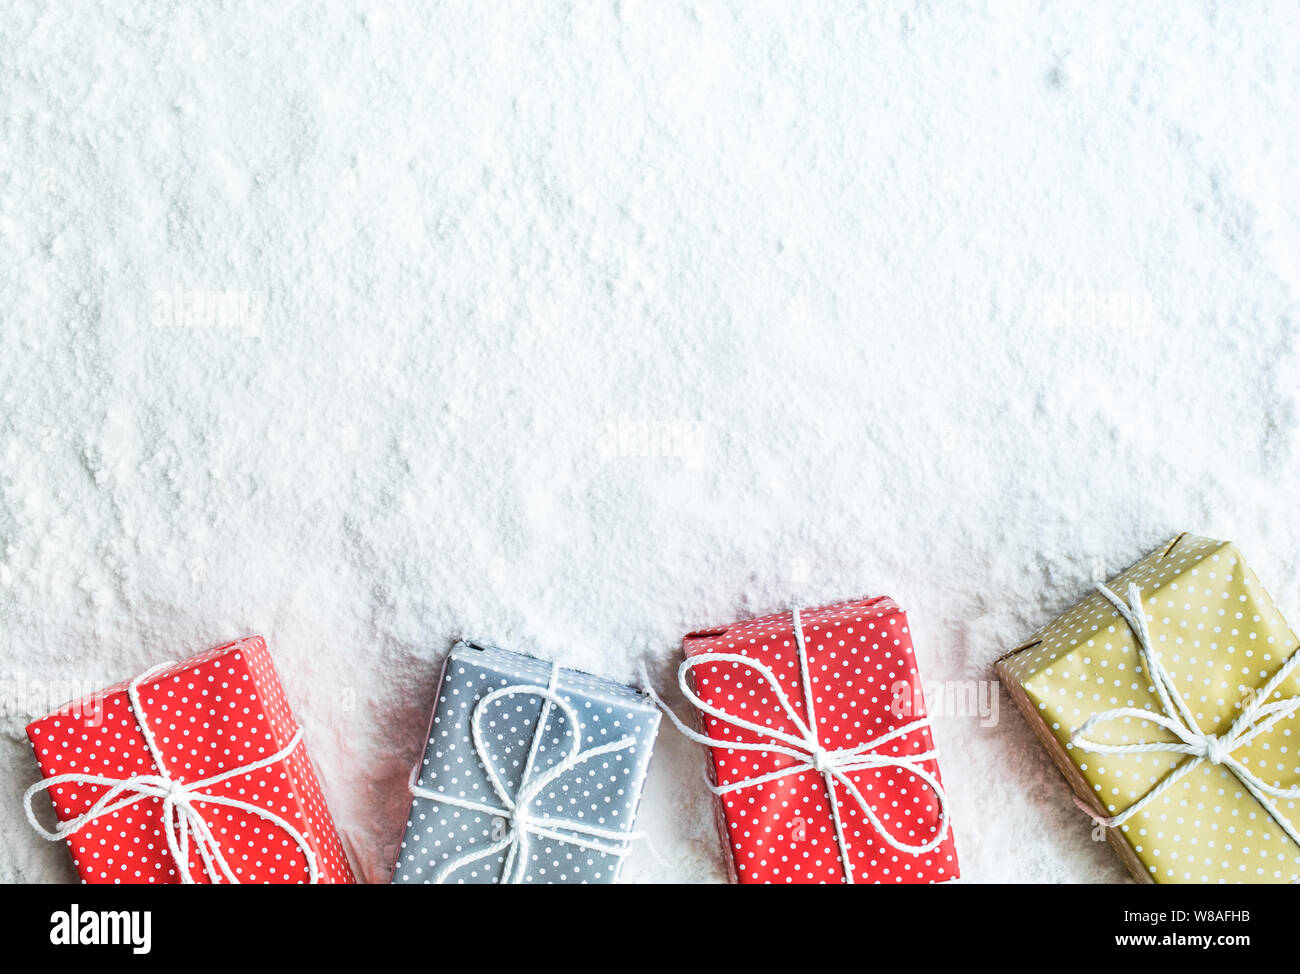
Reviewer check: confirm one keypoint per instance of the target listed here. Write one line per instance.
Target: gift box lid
(531, 669)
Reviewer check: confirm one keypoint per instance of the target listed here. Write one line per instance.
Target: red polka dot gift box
(193, 772)
(820, 751)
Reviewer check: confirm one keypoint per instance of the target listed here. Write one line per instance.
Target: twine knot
(1216, 749)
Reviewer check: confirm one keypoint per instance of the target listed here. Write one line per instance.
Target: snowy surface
(572, 327)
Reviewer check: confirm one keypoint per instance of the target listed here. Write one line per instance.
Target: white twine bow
(835, 766)
(521, 822)
(1257, 717)
(180, 818)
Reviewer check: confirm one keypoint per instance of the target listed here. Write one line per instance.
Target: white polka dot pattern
(860, 657)
(604, 792)
(1220, 636)
(219, 710)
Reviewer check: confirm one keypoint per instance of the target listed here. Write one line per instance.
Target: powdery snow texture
(574, 327)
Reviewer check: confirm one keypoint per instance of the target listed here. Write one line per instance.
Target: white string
(806, 749)
(180, 818)
(819, 762)
(523, 824)
(1257, 717)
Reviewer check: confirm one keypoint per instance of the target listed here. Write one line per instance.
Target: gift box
(531, 774)
(1167, 699)
(193, 772)
(820, 750)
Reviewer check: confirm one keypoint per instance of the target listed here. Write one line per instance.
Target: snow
(573, 327)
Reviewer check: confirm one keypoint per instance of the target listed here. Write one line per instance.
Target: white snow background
(572, 327)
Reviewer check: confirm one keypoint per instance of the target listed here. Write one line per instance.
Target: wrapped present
(530, 774)
(1167, 699)
(193, 772)
(819, 747)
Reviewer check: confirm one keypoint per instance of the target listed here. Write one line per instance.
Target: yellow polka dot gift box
(1168, 699)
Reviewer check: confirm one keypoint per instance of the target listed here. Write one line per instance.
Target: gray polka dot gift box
(531, 774)
(1168, 699)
